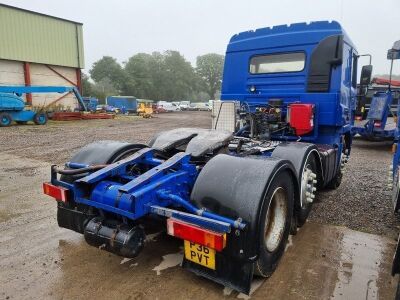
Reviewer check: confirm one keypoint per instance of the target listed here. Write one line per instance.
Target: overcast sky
(122, 28)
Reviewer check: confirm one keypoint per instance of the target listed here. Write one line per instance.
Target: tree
(179, 76)
(139, 73)
(209, 68)
(87, 86)
(108, 68)
(103, 89)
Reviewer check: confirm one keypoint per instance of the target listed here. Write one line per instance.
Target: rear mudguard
(104, 152)
(396, 259)
(98, 153)
(297, 153)
(235, 187)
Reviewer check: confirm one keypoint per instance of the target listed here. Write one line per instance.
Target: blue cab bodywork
(335, 105)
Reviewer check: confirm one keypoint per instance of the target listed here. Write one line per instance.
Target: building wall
(12, 73)
(33, 37)
(30, 43)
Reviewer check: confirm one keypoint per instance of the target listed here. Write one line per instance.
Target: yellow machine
(145, 108)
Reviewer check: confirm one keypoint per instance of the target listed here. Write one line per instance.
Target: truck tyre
(40, 119)
(275, 224)
(396, 190)
(336, 181)
(5, 119)
(306, 186)
(101, 152)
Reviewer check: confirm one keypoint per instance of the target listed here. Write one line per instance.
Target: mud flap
(229, 272)
(236, 187)
(396, 259)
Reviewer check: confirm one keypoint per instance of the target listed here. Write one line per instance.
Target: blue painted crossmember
(116, 168)
(159, 170)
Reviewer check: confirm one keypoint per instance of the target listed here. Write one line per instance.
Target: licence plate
(200, 254)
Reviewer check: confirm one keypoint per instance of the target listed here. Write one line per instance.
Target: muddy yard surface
(343, 252)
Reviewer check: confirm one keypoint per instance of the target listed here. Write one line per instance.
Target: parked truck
(377, 125)
(126, 104)
(12, 106)
(232, 197)
(394, 173)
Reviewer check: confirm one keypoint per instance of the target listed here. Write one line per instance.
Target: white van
(168, 106)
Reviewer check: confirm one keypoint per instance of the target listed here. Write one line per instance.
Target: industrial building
(38, 49)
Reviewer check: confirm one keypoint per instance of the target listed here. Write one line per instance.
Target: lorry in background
(378, 124)
(125, 104)
(394, 172)
(378, 84)
(233, 196)
(12, 106)
(91, 103)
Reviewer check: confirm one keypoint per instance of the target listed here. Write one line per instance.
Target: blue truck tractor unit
(233, 197)
(12, 106)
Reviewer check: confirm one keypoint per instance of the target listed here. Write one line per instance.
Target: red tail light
(377, 124)
(196, 234)
(57, 192)
(300, 116)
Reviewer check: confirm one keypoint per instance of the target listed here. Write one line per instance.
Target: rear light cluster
(57, 192)
(196, 234)
(377, 124)
(300, 117)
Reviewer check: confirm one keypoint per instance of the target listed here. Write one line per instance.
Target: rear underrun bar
(165, 195)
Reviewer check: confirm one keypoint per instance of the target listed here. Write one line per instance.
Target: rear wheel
(5, 119)
(40, 119)
(275, 224)
(336, 181)
(98, 153)
(396, 190)
(308, 187)
(93, 153)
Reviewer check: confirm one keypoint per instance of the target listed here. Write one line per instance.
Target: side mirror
(394, 53)
(366, 74)
(396, 46)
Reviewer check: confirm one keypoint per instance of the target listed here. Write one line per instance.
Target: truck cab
(313, 63)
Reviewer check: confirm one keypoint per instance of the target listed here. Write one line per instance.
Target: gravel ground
(362, 202)
(56, 141)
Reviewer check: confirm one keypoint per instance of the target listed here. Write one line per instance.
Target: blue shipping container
(124, 103)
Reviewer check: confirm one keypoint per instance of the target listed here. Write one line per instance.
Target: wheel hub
(308, 186)
(275, 220)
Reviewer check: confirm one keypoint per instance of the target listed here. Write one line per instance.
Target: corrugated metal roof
(34, 37)
(40, 14)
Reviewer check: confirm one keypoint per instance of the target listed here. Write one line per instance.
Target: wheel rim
(5, 120)
(308, 186)
(41, 119)
(275, 220)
